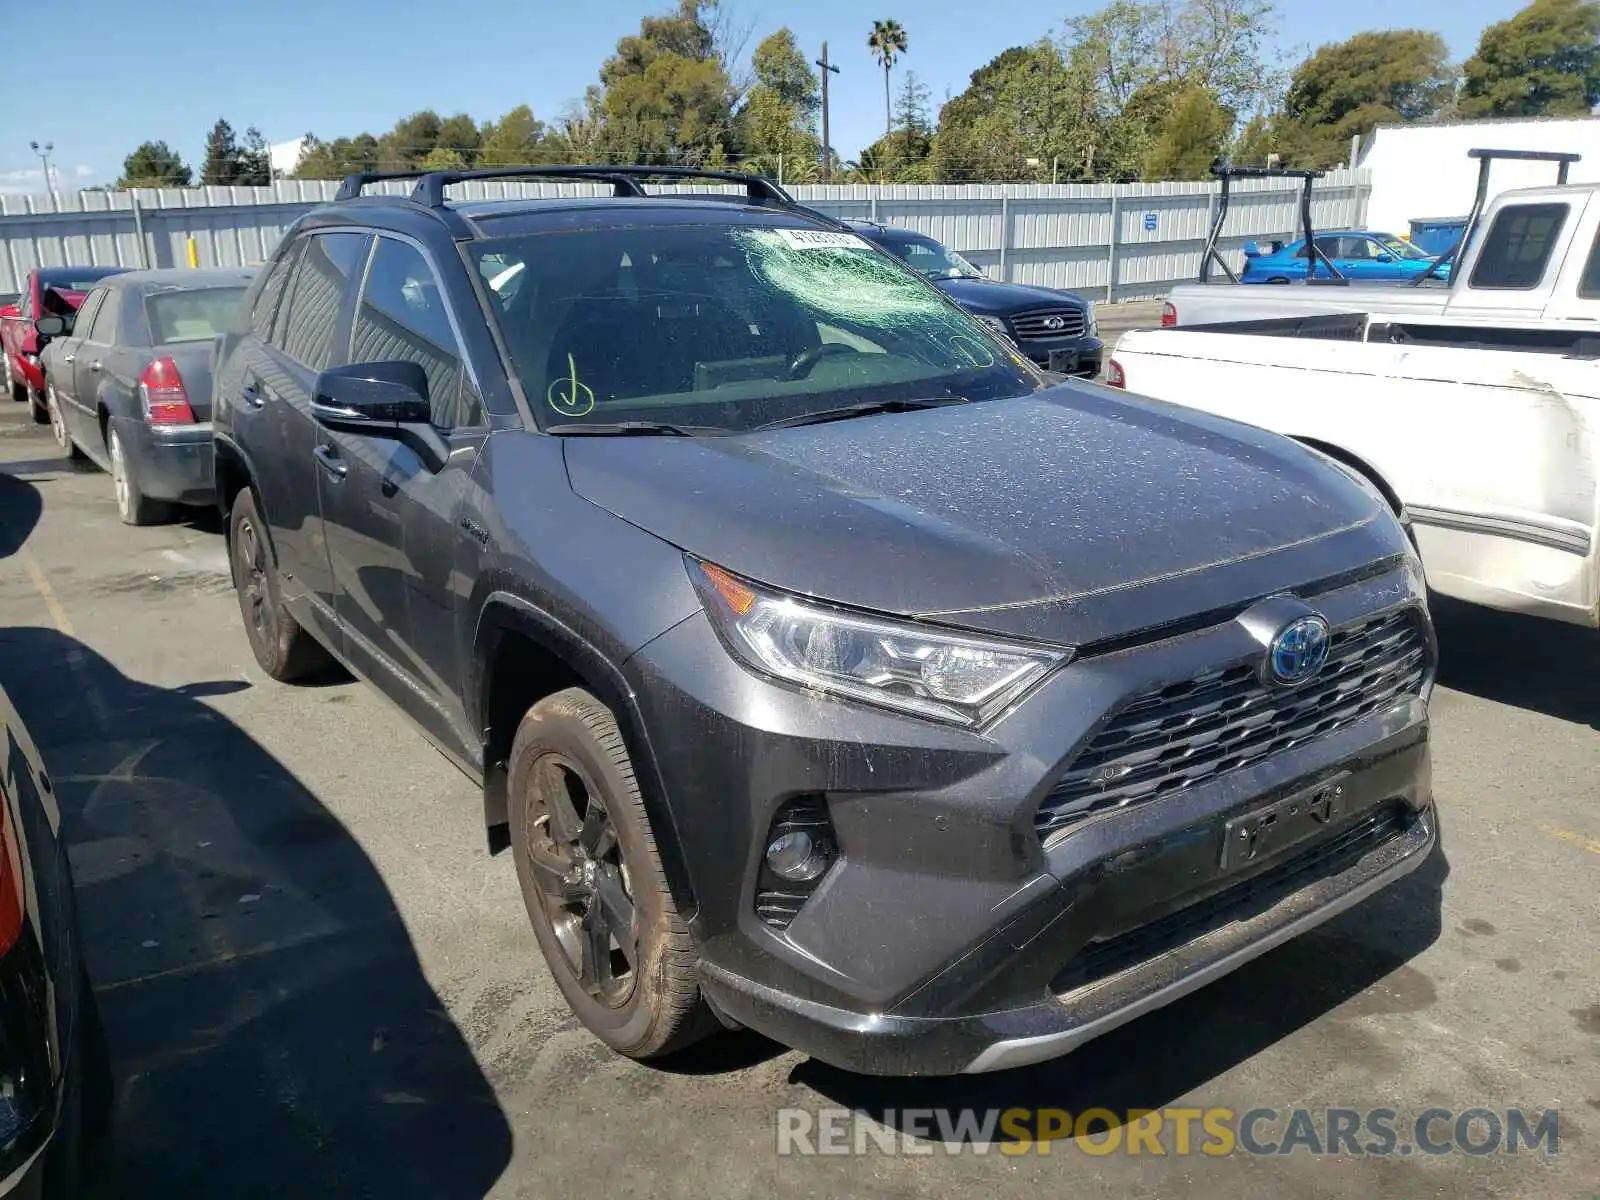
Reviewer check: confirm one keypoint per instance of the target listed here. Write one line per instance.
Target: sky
(104, 75)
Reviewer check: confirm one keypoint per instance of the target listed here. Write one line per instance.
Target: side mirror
(51, 326)
(374, 397)
(381, 399)
(1251, 250)
(1385, 258)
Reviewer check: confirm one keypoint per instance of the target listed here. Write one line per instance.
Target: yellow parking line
(41, 584)
(1581, 841)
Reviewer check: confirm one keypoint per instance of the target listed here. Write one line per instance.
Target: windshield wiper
(865, 409)
(625, 428)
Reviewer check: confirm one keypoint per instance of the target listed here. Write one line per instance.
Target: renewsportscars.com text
(1179, 1132)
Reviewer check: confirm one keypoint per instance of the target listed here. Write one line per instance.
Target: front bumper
(171, 462)
(947, 937)
(1069, 356)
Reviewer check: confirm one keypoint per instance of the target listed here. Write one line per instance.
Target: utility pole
(44, 157)
(827, 147)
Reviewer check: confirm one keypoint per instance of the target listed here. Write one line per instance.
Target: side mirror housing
(374, 397)
(50, 326)
(1251, 250)
(1385, 258)
(384, 400)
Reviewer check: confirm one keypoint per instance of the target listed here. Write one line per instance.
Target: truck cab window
(1518, 247)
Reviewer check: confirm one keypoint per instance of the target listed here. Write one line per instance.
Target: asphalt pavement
(317, 982)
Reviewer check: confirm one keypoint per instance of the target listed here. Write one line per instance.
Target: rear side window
(84, 317)
(271, 292)
(102, 327)
(306, 332)
(1518, 247)
(1589, 285)
(196, 316)
(402, 316)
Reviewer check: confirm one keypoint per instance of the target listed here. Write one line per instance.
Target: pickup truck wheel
(593, 883)
(14, 389)
(284, 650)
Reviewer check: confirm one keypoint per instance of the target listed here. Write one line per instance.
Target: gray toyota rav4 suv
(826, 669)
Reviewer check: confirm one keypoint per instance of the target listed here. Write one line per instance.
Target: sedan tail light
(161, 391)
(10, 880)
(1115, 376)
(1169, 315)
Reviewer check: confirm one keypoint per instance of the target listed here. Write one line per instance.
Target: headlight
(995, 323)
(1092, 329)
(960, 678)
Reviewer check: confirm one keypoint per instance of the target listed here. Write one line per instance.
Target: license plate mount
(1273, 827)
(1064, 362)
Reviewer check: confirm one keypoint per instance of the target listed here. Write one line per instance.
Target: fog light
(795, 856)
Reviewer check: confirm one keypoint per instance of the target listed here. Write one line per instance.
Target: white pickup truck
(1487, 437)
(1530, 259)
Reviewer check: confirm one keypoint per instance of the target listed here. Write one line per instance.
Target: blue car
(1360, 257)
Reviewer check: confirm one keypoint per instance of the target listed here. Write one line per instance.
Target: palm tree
(887, 42)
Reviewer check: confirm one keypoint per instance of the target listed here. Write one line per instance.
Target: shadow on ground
(271, 1030)
(1526, 662)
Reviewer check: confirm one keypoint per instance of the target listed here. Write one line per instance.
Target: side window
(305, 333)
(84, 317)
(1589, 285)
(402, 316)
(270, 293)
(1355, 247)
(1517, 249)
(102, 328)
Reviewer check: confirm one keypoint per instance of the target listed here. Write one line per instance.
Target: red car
(47, 290)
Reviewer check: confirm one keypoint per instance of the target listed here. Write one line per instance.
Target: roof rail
(624, 179)
(351, 185)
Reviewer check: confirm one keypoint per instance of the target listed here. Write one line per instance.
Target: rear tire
(283, 649)
(133, 506)
(58, 428)
(593, 883)
(14, 386)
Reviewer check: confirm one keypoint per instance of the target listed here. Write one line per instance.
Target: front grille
(1221, 720)
(1036, 326)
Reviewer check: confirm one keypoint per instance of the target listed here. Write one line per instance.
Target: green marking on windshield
(569, 397)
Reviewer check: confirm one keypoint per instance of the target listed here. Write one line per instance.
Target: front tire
(14, 387)
(593, 884)
(284, 650)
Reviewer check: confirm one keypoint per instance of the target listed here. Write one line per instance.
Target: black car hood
(1072, 514)
(990, 296)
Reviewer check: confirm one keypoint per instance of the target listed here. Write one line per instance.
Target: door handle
(251, 396)
(95, 365)
(331, 462)
(69, 358)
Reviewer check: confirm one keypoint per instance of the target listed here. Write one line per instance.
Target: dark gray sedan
(128, 383)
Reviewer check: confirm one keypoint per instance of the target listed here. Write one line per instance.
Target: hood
(1070, 514)
(990, 296)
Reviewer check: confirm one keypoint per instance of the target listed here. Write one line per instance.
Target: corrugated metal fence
(1108, 241)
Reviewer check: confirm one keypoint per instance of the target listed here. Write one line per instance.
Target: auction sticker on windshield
(820, 239)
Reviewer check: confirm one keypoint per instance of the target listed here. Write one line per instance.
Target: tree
(1254, 143)
(253, 164)
(913, 138)
(154, 164)
(408, 143)
(442, 158)
(778, 119)
(1192, 139)
(338, 158)
(1215, 44)
(665, 94)
(1349, 87)
(1544, 61)
(1029, 102)
(887, 42)
(513, 140)
(461, 134)
(222, 155)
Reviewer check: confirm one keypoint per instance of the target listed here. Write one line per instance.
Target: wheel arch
(521, 654)
(1359, 465)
